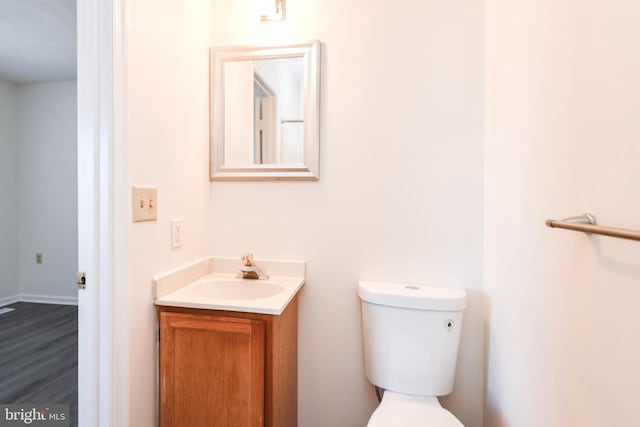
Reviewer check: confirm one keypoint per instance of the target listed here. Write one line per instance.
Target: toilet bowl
(411, 337)
(404, 410)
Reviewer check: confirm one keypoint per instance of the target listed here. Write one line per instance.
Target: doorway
(38, 203)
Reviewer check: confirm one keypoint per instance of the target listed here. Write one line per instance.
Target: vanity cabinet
(228, 369)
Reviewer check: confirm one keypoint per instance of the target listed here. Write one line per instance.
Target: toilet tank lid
(419, 297)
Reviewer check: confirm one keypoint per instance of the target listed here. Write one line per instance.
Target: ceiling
(37, 40)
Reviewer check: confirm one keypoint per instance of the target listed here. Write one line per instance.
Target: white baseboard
(9, 300)
(42, 299)
(49, 299)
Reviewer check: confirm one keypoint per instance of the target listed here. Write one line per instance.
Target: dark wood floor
(39, 355)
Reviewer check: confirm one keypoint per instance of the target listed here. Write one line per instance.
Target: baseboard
(47, 299)
(9, 300)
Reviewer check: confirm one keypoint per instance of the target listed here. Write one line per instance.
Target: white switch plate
(144, 202)
(176, 233)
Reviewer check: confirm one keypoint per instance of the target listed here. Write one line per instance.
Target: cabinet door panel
(212, 371)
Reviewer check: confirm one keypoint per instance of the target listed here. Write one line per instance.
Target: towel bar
(587, 224)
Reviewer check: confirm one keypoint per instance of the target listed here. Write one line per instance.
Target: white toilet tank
(411, 336)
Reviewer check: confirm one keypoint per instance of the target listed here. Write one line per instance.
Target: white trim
(11, 299)
(119, 315)
(48, 299)
(88, 203)
(102, 220)
(41, 299)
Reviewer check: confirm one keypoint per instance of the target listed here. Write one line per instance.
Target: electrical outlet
(38, 258)
(144, 202)
(176, 233)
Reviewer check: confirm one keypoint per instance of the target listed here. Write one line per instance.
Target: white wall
(47, 188)
(8, 192)
(400, 190)
(168, 131)
(563, 99)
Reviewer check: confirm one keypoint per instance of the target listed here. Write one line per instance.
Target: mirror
(264, 112)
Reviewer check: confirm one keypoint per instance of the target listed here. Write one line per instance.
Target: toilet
(411, 338)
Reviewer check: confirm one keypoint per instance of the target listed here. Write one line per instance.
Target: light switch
(144, 202)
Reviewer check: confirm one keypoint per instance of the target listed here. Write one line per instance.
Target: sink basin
(212, 284)
(237, 289)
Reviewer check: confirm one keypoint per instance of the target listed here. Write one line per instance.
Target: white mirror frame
(310, 52)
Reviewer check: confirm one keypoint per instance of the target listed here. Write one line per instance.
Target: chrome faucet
(249, 269)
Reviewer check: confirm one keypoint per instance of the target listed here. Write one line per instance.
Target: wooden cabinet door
(211, 371)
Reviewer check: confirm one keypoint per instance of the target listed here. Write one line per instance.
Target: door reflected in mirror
(265, 112)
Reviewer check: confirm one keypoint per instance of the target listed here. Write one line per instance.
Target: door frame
(103, 306)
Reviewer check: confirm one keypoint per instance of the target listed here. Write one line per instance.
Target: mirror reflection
(264, 111)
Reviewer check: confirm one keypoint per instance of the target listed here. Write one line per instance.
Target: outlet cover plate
(176, 233)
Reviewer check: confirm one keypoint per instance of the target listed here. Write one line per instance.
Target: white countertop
(183, 287)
